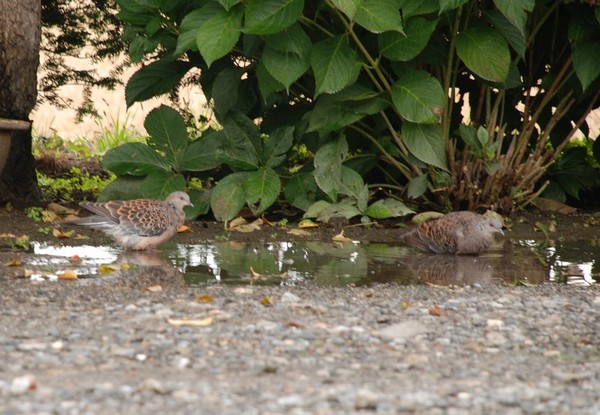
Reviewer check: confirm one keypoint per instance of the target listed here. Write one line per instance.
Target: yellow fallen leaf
(550, 205)
(204, 298)
(236, 222)
(48, 216)
(266, 301)
(307, 223)
(106, 269)
(183, 228)
(153, 288)
(7, 235)
(15, 262)
(27, 273)
(68, 275)
(341, 238)
(61, 210)
(59, 233)
(298, 232)
(249, 227)
(191, 322)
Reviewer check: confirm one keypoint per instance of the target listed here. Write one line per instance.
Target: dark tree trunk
(20, 31)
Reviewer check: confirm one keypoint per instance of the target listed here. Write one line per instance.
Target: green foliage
(34, 213)
(392, 77)
(71, 187)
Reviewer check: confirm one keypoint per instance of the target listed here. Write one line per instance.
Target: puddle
(325, 264)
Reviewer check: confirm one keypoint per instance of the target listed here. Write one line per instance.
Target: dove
(460, 232)
(137, 224)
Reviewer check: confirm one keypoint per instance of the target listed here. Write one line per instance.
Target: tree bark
(20, 32)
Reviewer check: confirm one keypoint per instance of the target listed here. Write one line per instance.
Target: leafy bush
(392, 77)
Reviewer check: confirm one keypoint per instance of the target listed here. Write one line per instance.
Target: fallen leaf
(59, 233)
(550, 205)
(294, 324)
(266, 301)
(437, 311)
(75, 258)
(249, 227)
(27, 273)
(106, 269)
(183, 228)
(405, 304)
(191, 322)
(153, 288)
(298, 232)
(61, 210)
(68, 275)
(7, 235)
(15, 262)
(341, 238)
(204, 298)
(255, 275)
(236, 222)
(48, 216)
(307, 223)
(552, 226)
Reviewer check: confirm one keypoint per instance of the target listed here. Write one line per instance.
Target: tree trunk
(20, 31)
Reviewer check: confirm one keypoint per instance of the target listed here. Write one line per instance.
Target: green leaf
(351, 183)
(485, 52)
(425, 142)
(334, 64)
(469, 136)
(348, 7)
(516, 11)
(398, 47)
(387, 208)
(228, 196)
(377, 16)
(228, 4)
(285, 67)
(446, 5)
(122, 188)
(202, 154)
(225, 90)
(219, 34)
(315, 209)
(168, 132)
(277, 145)
(136, 159)
(417, 186)
(514, 37)
(335, 111)
(266, 83)
(155, 79)
(418, 97)
(586, 61)
(200, 198)
(301, 191)
(271, 16)
(328, 166)
(242, 147)
(414, 8)
(159, 184)
(292, 40)
(483, 137)
(262, 188)
(343, 209)
(189, 28)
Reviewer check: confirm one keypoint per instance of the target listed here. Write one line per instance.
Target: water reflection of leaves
(451, 269)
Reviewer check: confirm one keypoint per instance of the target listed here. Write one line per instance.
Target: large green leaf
(414, 8)
(266, 83)
(277, 145)
(586, 61)
(514, 37)
(291, 40)
(516, 11)
(262, 188)
(137, 159)
(122, 188)
(190, 25)
(404, 47)
(351, 183)
(334, 64)
(426, 143)
(271, 16)
(159, 184)
(418, 97)
(226, 90)
(155, 79)
(446, 5)
(202, 154)
(219, 34)
(285, 67)
(328, 166)
(485, 52)
(374, 15)
(301, 191)
(200, 198)
(242, 146)
(387, 208)
(345, 208)
(228, 196)
(168, 132)
(417, 186)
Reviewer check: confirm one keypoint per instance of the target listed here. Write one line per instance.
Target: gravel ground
(112, 346)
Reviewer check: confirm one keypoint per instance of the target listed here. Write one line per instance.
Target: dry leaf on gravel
(191, 322)
(204, 298)
(298, 232)
(153, 288)
(341, 238)
(68, 275)
(307, 223)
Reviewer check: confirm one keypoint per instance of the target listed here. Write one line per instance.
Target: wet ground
(271, 323)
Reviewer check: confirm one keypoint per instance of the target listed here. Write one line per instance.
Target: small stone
(405, 330)
(366, 399)
(23, 384)
(288, 297)
(494, 324)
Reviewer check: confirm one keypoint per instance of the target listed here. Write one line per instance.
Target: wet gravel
(112, 346)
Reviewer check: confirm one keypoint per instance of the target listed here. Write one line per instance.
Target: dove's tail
(94, 222)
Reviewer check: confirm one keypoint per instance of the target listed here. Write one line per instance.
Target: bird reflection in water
(147, 268)
(453, 269)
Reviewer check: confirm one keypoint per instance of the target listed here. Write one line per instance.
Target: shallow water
(326, 264)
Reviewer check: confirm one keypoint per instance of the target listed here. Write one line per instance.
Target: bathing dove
(137, 224)
(455, 233)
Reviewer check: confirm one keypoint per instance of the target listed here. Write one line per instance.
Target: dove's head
(494, 225)
(179, 200)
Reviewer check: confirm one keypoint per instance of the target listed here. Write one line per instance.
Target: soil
(114, 345)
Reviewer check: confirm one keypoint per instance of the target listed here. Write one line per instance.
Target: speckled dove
(137, 224)
(455, 233)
